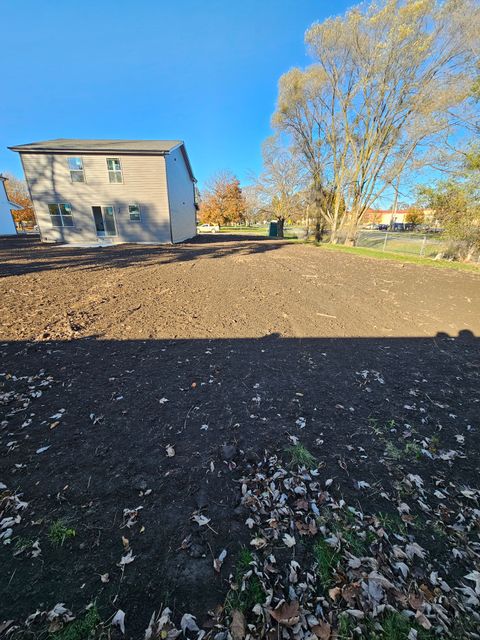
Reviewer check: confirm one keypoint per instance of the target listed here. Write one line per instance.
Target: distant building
(111, 191)
(390, 218)
(7, 225)
(386, 216)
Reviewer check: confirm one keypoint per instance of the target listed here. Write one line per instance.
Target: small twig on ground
(186, 417)
(212, 529)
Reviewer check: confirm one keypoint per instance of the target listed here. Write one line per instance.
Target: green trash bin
(273, 230)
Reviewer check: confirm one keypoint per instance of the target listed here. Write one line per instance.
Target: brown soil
(232, 289)
(144, 346)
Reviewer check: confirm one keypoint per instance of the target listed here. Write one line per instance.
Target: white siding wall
(181, 197)
(7, 225)
(144, 183)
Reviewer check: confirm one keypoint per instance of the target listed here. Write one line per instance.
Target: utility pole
(395, 204)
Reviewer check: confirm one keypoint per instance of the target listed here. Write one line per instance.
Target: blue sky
(202, 71)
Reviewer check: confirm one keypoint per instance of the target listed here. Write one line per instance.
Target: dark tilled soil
(239, 342)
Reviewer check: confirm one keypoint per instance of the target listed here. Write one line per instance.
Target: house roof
(126, 147)
(110, 146)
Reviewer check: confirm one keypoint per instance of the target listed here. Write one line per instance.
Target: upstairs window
(77, 173)
(61, 215)
(114, 170)
(134, 212)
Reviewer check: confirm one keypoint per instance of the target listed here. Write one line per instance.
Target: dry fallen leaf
(55, 626)
(286, 614)
(127, 559)
(288, 540)
(423, 620)
(217, 562)
(42, 449)
(58, 610)
(237, 626)
(189, 622)
(417, 602)
(119, 621)
(258, 543)
(322, 630)
(334, 593)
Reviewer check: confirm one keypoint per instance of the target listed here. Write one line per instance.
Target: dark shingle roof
(110, 146)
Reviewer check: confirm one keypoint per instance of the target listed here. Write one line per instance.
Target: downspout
(195, 203)
(168, 199)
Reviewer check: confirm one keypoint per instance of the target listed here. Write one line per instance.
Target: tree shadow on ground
(19, 255)
(107, 410)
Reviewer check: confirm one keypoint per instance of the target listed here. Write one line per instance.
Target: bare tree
(281, 182)
(254, 204)
(388, 83)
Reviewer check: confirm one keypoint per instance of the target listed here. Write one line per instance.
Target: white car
(208, 228)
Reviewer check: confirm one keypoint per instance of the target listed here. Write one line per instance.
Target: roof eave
(187, 161)
(125, 152)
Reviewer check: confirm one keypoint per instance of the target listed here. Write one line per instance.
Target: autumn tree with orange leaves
(223, 201)
(17, 192)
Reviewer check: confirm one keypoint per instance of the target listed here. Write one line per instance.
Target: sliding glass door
(104, 218)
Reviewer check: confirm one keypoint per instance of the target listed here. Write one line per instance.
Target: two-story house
(111, 191)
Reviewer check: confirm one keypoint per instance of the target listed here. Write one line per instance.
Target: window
(61, 215)
(114, 170)
(134, 211)
(77, 173)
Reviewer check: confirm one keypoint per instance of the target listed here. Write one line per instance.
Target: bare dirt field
(146, 393)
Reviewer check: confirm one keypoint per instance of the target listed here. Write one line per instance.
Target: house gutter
(169, 205)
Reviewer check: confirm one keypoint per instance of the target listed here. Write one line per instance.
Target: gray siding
(144, 183)
(181, 197)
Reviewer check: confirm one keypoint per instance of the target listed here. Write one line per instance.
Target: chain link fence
(428, 246)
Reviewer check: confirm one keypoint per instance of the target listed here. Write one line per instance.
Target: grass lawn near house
(402, 257)
(399, 248)
(262, 231)
(289, 232)
(402, 242)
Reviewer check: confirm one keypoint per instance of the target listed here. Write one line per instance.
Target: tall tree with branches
(388, 83)
(282, 182)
